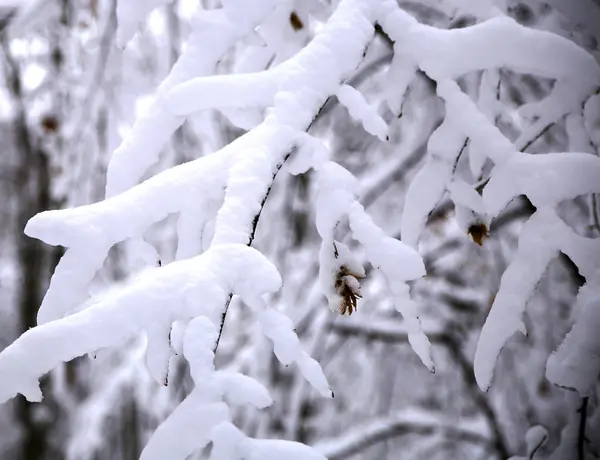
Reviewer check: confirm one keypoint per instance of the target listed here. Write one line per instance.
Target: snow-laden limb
(360, 110)
(540, 241)
(204, 417)
(250, 178)
(152, 130)
(158, 295)
(191, 424)
(538, 246)
(410, 421)
(240, 91)
(194, 218)
(336, 192)
(338, 269)
(130, 15)
(465, 195)
(535, 438)
(449, 54)
(490, 106)
(310, 153)
(229, 443)
(464, 115)
(129, 214)
(313, 74)
(400, 74)
(399, 263)
(430, 183)
(546, 179)
(235, 180)
(309, 78)
(576, 363)
(286, 346)
(90, 231)
(469, 210)
(158, 350)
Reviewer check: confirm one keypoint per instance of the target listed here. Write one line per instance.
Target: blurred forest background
(67, 96)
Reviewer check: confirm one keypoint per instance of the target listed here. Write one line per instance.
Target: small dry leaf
(49, 123)
(478, 233)
(295, 21)
(348, 289)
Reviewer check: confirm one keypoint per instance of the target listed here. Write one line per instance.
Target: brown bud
(296, 22)
(348, 289)
(478, 233)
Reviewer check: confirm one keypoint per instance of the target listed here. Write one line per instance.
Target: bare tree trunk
(35, 261)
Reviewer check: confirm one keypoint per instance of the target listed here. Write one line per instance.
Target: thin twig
(581, 435)
(478, 397)
(543, 131)
(250, 240)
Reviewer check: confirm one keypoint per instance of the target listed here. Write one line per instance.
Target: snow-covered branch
(386, 330)
(410, 421)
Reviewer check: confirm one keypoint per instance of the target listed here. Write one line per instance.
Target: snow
(397, 261)
(224, 91)
(286, 346)
(465, 195)
(464, 115)
(576, 363)
(535, 437)
(430, 183)
(489, 105)
(158, 351)
(310, 153)
(540, 240)
(400, 74)
(546, 179)
(162, 294)
(448, 54)
(202, 417)
(89, 231)
(150, 133)
(360, 110)
(231, 444)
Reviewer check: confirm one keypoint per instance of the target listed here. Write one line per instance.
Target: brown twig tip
(295, 21)
(49, 124)
(478, 233)
(348, 289)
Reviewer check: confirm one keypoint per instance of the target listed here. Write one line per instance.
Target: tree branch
(581, 433)
(410, 421)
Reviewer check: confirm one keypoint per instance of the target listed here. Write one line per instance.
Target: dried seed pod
(49, 123)
(347, 288)
(478, 233)
(296, 22)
